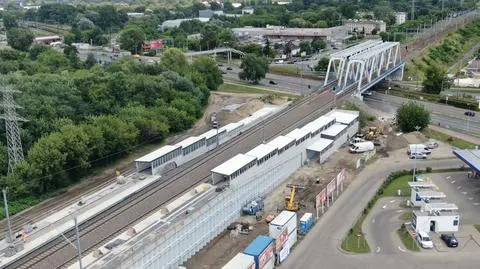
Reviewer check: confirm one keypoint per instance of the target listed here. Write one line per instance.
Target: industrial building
(176, 23)
(424, 192)
(400, 17)
(365, 26)
(438, 218)
(283, 33)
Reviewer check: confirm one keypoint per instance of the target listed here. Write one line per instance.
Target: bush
(428, 169)
(460, 102)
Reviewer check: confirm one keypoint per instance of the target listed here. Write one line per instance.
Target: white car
(432, 145)
(424, 240)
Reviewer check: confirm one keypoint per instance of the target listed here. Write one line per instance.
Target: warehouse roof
(320, 145)
(261, 151)
(470, 156)
(318, 124)
(157, 153)
(234, 164)
(334, 129)
(281, 141)
(298, 134)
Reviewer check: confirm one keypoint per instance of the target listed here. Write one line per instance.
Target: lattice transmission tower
(12, 129)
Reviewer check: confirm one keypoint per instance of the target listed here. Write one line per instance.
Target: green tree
(118, 135)
(318, 44)
(36, 50)
(90, 61)
(209, 69)
(174, 59)
(436, 80)
(131, 39)
(9, 21)
(409, 115)
(209, 36)
(305, 47)
(322, 64)
(254, 68)
(19, 38)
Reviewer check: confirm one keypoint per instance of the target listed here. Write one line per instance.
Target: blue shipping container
(258, 247)
(306, 222)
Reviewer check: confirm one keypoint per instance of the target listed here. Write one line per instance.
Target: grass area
(407, 240)
(400, 183)
(355, 241)
(456, 142)
(239, 88)
(292, 71)
(477, 226)
(406, 216)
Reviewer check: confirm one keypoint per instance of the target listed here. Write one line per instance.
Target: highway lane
(448, 117)
(320, 248)
(108, 224)
(285, 83)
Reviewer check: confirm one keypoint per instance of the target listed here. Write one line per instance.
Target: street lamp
(417, 128)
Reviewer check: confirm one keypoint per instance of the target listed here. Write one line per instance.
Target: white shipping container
(285, 218)
(292, 239)
(240, 261)
(269, 265)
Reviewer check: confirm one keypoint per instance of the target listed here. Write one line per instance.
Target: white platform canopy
(320, 145)
(335, 129)
(189, 141)
(157, 153)
(298, 134)
(234, 164)
(343, 116)
(261, 151)
(281, 141)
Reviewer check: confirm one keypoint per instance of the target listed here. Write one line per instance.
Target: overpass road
(321, 246)
(58, 253)
(447, 116)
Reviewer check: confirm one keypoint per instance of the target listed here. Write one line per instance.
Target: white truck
(362, 147)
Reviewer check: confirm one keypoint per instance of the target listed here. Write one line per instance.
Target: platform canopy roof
(335, 129)
(261, 151)
(281, 141)
(233, 165)
(469, 156)
(320, 145)
(152, 156)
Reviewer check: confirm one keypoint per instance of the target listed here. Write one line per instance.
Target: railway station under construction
(182, 227)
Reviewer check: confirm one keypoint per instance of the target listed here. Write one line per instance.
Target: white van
(362, 147)
(418, 148)
(424, 240)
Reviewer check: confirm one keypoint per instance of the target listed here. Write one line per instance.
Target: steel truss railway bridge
(351, 71)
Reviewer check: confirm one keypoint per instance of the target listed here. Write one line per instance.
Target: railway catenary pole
(10, 238)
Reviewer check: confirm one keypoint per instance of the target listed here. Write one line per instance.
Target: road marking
(399, 211)
(470, 198)
(373, 220)
(449, 178)
(385, 206)
(476, 203)
(453, 181)
(392, 201)
(378, 249)
(464, 192)
(459, 187)
(401, 249)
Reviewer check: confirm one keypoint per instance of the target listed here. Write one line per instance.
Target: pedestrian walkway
(466, 137)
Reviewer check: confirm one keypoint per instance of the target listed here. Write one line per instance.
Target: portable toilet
(306, 222)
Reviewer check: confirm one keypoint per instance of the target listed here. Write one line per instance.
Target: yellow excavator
(290, 203)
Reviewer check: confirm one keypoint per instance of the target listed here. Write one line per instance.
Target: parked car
(229, 68)
(432, 145)
(418, 155)
(424, 240)
(219, 64)
(367, 93)
(223, 72)
(469, 113)
(273, 82)
(450, 240)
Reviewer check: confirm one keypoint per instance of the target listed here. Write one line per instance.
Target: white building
(365, 26)
(248, 10)
(347, 117)
(400, 17)
(176, 23)
(438, 218)
(424, 192)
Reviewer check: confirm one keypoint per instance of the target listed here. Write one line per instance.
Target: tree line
(82, 117)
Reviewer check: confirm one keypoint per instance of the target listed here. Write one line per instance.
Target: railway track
(99, 229)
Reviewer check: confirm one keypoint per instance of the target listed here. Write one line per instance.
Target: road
(115, 220)
(320, 248)
(284, 83)
(447, 116)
